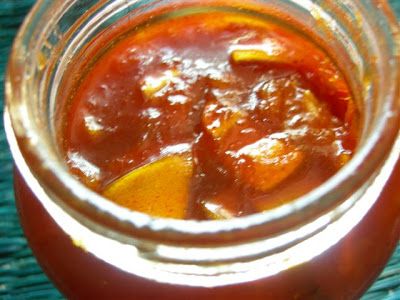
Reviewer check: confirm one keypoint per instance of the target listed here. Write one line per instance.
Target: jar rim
(84, 203)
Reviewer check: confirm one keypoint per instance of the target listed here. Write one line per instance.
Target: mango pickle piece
(153, 85)
(215, 82)
(266, 163)
(223, 205)
(215, 211)
(160, 189)
(268, 53)
(311, 103)
(219, 120)
(343, 159)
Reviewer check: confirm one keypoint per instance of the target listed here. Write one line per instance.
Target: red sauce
(251, 112)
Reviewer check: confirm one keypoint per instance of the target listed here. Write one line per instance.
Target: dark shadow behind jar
(329, 244)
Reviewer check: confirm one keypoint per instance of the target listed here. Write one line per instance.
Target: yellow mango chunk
(311, 103)
(267, 163)
(344, 158)
(153, 85)
(160, 189)
(215, 211)
(268, 52)
(219, 120)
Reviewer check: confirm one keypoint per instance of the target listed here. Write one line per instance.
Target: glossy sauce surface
(209, 116)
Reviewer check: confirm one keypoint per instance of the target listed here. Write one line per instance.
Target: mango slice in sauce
(266, 163)
(219, 120)
(215, 211)
(222, 205)
(160, 189)
(153, 85)
(269, 52)
(311, 102)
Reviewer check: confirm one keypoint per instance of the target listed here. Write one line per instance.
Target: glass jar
(328, 244)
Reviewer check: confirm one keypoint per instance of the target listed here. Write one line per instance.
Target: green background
(20, 275)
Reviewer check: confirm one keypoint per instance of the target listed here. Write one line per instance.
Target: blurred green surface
(20, 275)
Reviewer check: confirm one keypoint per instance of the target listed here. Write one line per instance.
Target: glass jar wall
(318, 246)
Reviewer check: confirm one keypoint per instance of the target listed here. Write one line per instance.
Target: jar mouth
(36, 158)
